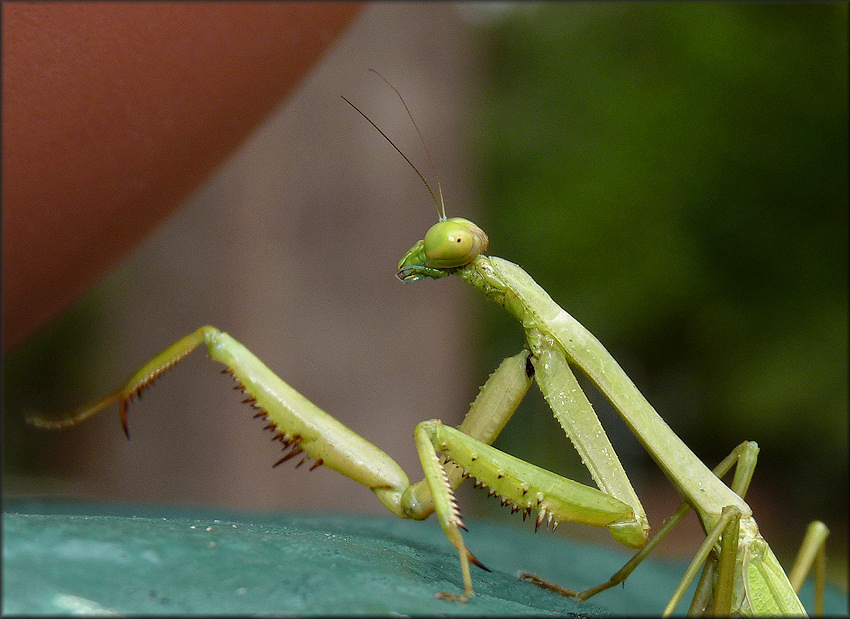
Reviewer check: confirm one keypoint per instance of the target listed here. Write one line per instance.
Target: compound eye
(453, 243)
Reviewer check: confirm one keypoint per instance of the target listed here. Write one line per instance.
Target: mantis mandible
(741, 573)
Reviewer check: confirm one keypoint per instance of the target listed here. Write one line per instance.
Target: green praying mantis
(740, 573)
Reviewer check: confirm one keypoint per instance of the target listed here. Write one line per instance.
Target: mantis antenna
(441, 206)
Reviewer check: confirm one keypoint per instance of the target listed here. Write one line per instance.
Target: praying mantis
(741, 575)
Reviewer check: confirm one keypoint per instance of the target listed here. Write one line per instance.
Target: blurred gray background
(674, 175)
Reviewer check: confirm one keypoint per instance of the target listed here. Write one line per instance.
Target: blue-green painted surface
(72, 558)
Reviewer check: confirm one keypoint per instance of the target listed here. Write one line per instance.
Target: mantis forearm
(495, 404)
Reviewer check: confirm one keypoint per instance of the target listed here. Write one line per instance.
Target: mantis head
(448, 244)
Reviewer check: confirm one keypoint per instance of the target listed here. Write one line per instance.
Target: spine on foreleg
(304, 426)
(525, 486)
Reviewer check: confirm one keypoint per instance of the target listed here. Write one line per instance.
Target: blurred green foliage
(45, 374)
(676, 177)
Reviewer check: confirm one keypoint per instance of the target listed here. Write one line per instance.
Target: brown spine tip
(541, 516)
(291, 454)
(303, 460)
(125, 423)
(472, 559)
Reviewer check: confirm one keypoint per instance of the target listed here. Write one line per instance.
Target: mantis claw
(125, 421)
(472, 559)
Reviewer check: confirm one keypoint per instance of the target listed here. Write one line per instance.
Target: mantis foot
(454, 597)
(549, 586)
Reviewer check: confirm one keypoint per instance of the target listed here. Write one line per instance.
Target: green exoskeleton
(741, 573)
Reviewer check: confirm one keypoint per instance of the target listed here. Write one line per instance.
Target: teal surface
(73, 558)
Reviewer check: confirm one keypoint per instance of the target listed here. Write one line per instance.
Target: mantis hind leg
(812, 553)
(744, 456)
(716, 598)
